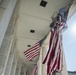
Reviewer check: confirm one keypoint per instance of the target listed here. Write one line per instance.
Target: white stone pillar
(44, 66)
(14, 65)
(9, 64)
(39, 64)
(5, 53)
(6, 18)
(18, 68)
(25, 69)
(64, 71)
(44, 52)
(22, 70)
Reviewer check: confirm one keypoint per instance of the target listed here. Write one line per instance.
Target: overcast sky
(69, 43)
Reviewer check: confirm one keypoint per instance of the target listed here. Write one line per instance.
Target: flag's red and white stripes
(33, 51)
(54, 54)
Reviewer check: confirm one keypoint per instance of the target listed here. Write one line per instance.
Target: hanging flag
(60, 57)
(34, 50)
(53, 57)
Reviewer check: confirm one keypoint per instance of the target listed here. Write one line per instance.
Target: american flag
(34, 50)
(54, 56)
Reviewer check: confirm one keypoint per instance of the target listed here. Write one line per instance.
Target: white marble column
(25, 69)
(22, 70)
(6, 48)
(44, 52)
(9, 64)
(14, 64)
(64, 71)
(39, 64)
(44, 66)
(18, 68)
(4, 53)
(6, 18)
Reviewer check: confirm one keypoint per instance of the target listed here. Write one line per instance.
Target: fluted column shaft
(39, 64)
(44, 66)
